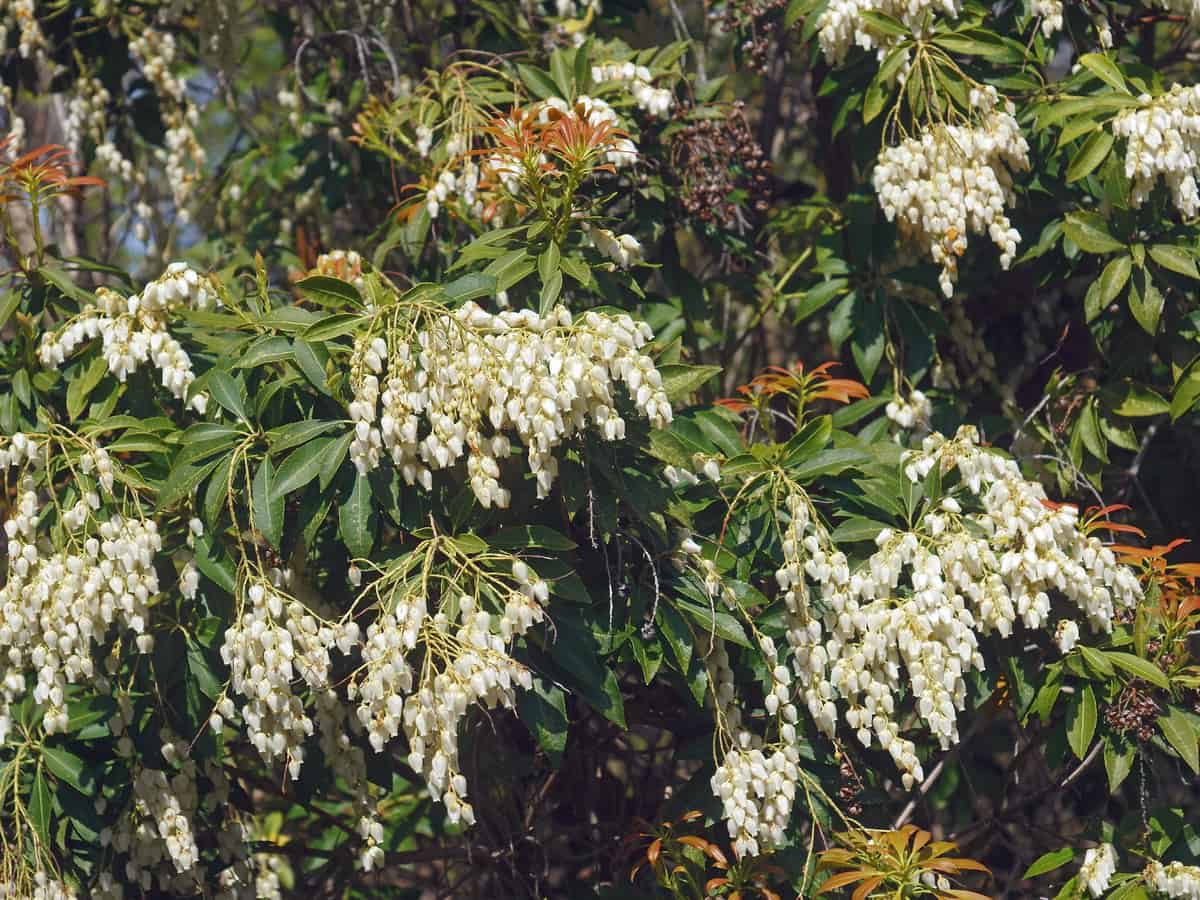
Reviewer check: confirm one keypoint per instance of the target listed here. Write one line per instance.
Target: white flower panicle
(58, 600)
(1066, 635)
(954, 180)
(1051, 14)
(757, 787)
(909, 412)
(655, 101)
(476, 379)
(344, 264)
(45, 886)
(135, 330)
(843, 26)
(908, 620)
(275, 642)
(1176, 880)
(466, 662)
(1099, 865)
(183, 156)
(623, 249)
(1163, 140)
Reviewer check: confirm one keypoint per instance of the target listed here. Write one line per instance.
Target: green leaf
(267, 515)
(1119, 755)
(1089, 428)
(1104, 69)
(680, 381)
(311, 359)
(1145, 302)
(677, 634)
(81, 388)
(293, 434)
(543, 710)
(1096, 661)
(471, 286)
(551, 288)
(807, 441)
(1175, 258)
(1187, 392)
(331, 327)
(301, 467)
(357, 519)
(228, 392)
(216, 494)
(8, 305)
(880, 88)
(578, 652)
(65, 285)
(216, 566)
(68, 767)
(40, 805)
(539, 82)
(1180, 733)
(1139, 668)
(182, 479)
(818, 297)
(858, 528)
(548, 261)
(1090, 232)
(329, 291)
(715, 619)
(1110, 284)
(1081, 720)
(1093, 152)
(334, 459)
(268, 349)
(518, 537)
(1138, 400)
(1048, 862)
(885, 24)
(829, 462)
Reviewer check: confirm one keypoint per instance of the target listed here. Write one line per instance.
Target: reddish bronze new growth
(39, 173)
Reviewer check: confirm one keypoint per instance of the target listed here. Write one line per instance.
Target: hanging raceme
(136, 330)
(952, 178)
(467, 382)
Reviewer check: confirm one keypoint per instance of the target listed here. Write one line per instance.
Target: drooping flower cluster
(757, 789)
(475, 378)
(466, 663)
(183, 157)
(756, 782)
(135, 330)
(954, 180)
(1051, 14)
(623, 249)
(344, 264)
(64, 591)
(655, 101)
(907, 620)
(842, 24)
(914, 410)
(1176, 880)
(1099, 865)
(1163, 140)
(276, 640)
(31, 41)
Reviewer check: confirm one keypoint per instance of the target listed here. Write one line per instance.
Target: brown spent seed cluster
(722, 169)
(1133, 710)
(757, 22)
